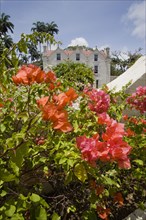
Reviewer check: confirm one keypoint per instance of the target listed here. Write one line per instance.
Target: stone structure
(99, 61)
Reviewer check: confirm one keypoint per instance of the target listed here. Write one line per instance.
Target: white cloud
(80, 41)
(103, 47)
(137, 15)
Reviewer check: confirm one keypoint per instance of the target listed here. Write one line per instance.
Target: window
(96, 83)
(77, 56)
(95, 69)
(58, 56)
(95, 57)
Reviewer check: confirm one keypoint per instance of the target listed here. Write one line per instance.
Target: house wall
(86, 57)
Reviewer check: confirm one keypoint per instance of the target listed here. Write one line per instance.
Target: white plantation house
(99, 61)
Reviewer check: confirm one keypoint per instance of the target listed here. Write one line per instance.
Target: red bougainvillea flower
(54, 110)
(65, 98)
(40, 140)
(138, 99)
(60, 121)
(129, 132)
(99, 189)
(103, 212)
(118, 198)
(98, 100)
(29, 74)
(59, 118)
(42, 101)
(50, 77)
(1, 105)
(125, 117)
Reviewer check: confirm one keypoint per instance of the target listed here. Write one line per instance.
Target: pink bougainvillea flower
(114, 130)
(88, 148)
(109, 146)
(98, 100)
(104, 118)
(138, 99)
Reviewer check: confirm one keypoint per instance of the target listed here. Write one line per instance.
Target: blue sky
(119, 24)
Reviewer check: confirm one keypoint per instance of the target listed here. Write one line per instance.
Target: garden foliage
(66, 153)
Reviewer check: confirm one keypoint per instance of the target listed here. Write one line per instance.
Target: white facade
(99, 61)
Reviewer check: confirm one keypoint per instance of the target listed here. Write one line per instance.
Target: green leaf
(55, 216)
(71, 208)
(18, 156)
(3, 193)
(110, 182)
(62, 160)
(2, 127)
(35, 198)
(24, 116)
(139, 162)
(10, 142)
(10, 211)
(80, 172)
(17, 217)
(6, 176)
(68, 178)
(41, 214)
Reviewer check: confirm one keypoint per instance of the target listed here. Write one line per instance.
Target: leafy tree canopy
(74, 74)
(120, 62)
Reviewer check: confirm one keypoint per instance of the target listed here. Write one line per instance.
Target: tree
(7, 41)
(39, 27)
(120, 62)
(5, 24)
(52, 28)
(74, 74)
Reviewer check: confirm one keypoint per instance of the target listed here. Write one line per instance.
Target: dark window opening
(58, 56)
(96, 83)
(77, 56)
(95, 69)
(95, 57)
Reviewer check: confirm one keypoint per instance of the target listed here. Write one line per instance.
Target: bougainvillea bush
(67, 154)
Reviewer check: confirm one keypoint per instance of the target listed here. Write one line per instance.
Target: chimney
(107, 50)
(44, 48)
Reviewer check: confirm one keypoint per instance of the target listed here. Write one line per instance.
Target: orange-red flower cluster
(103, 212)
(118, 198)
(112, 148)
(54, 110)
(30, 74)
